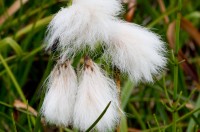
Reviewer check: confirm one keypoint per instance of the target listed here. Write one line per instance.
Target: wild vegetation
(171, 103)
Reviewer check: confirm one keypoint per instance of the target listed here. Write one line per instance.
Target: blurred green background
(172, 103)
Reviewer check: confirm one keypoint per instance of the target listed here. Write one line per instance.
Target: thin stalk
(166, 93)
(138, 116)
(118, 84)
(28, 15)
(175, 82)
(171, 124)
(28, 28)
(32, 53)
(21, 128)
(5, 104)
(24, 57)
(14, 80)
(13, 122)
(157, 122)
(153, 23)
(175, 113)
(99, 118)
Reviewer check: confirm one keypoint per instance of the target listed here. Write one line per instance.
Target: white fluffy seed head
(95, 91)
(109, 7)
(59, 100)
(83, 23)
(136, 51)
(76, 27)
(133, 49)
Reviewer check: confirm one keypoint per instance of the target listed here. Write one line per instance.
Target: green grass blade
(14, 80)
(21, 128)
(99, 118)
(123, 124)
(138, 116)
(192, 122)
(37, 124)
(126, 93)
(13, 122)
(13, 44)
(38, 24)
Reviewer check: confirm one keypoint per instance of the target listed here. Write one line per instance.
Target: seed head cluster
(79, 100)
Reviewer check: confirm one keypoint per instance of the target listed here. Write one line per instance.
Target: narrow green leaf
(123, 124)
(126, 93)
(38, 24)
(13, 121)
(14, 80)
(37, 124)
(5, 104)
(153, 23)
(13, 44)
(138, 116)
(3, 115)
(192, 122)
(99, 118)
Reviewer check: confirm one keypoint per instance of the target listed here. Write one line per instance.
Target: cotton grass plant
(133, 49)
(142, 99)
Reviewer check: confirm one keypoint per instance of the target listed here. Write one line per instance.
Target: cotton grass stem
(175, 113)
